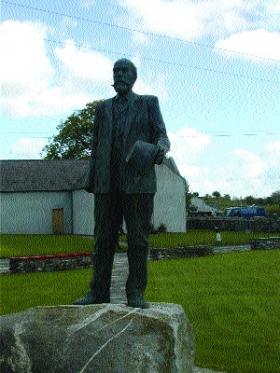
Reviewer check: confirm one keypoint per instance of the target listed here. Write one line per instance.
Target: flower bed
(48, 263)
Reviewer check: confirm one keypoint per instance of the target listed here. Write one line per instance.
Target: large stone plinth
(106, 338)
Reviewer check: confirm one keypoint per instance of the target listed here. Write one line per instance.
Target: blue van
(245, 211)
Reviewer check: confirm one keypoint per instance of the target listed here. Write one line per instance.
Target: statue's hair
(128, 62)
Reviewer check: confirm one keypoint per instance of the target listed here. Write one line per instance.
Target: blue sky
(215, 66)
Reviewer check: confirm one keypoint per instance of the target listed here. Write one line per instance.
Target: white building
(46, 197)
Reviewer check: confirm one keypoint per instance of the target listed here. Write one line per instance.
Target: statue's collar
(130, 97)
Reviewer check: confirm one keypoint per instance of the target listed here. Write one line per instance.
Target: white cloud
(35, 85)
(238, 172)
(140, 38)
(29, 79)
(84, 64)
(251, 173)
(23, 54)
(27, 148)
(274, 6)
(254, 173)
(187, 144)
(259, 43)
(31, 86)
(249, 164)
(153, 85)
(273, 154)
(194, 19)
(274, 147)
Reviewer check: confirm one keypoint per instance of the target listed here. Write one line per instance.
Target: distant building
(200, 207)
(46, 197)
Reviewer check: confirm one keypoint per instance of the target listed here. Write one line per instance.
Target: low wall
(49, 263)
(265, 243)
(234, 224)
(180, 252)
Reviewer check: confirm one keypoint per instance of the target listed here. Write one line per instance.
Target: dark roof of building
(48, 175)
(42, 175)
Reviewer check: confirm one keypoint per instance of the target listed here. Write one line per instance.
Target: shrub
(161, 229)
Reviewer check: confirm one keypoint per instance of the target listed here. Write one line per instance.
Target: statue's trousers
(110, 209)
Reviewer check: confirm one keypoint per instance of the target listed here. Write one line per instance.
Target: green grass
(20, 245)
(23, 244)
(204, 237)
(232, 301)
(22, 291)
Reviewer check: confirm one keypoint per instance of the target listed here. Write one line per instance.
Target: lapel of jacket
(109, 116)
(133, 108)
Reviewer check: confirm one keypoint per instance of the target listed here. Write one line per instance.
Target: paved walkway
(119, 276)
(229, 249)
(4, 266)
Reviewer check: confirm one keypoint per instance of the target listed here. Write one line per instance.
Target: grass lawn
(22, 291)
(18, 245)
(232, 301)
(24, 244)
(204, 237)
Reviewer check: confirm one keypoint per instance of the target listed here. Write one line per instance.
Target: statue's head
(125, 75)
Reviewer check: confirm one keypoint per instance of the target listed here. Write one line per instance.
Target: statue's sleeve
(158, 127)
(94, 141)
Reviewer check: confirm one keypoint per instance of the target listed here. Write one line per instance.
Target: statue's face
(124, 77)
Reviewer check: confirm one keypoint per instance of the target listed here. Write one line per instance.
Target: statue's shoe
(90, 299)
(137, 301)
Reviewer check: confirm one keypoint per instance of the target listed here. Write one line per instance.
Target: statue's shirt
(120, 113)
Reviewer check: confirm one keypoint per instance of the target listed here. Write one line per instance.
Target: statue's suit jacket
(144, 122)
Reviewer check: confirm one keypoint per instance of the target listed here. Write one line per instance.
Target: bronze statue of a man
(129, 137)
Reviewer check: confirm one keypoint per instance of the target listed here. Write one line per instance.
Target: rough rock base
(97, 338)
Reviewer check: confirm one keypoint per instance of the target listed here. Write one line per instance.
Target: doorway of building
(58, 221)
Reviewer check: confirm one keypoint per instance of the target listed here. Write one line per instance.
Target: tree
(276, 196)
(73, 140)
(250, 200)
(216, 194)
(260, 201)
(188, 196)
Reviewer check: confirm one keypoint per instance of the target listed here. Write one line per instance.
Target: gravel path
(119, 276)
(230, 249)
(4, 266)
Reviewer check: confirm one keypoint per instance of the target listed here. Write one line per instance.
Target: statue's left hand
(160, 154)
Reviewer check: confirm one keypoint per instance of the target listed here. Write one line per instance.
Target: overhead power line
(182, 65)
(183, 136)
(148, 33)
(205, 69)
